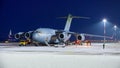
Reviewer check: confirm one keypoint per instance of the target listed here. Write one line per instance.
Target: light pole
(104, 21)
(115, 28)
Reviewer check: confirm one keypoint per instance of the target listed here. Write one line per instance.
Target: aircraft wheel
(56, 46)
(21, 45)
(63, 46)
(35, 44)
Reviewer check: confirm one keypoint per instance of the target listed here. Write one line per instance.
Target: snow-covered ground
(95, 48)
(69, 57)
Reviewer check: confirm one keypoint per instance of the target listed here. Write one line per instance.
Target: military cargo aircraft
(49, 36)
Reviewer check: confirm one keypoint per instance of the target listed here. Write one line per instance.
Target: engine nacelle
(28, 34)
(19, 35)
(81, 37)
(61, 36)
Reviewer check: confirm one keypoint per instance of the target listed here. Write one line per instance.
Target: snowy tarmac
(94, 49)
(69, 57)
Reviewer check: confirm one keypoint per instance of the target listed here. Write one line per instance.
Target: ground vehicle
(77, 42)
(23, 42)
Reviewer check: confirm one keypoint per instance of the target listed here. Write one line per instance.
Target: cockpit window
(37, 31)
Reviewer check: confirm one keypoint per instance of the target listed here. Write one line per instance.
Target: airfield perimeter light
(104, 21)
(115, 27)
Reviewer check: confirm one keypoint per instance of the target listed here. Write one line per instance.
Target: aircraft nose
(39, 37)
(36, 36)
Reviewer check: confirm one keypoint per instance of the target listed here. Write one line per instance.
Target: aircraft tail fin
(68, 23)
(10, 34)
(69, 20)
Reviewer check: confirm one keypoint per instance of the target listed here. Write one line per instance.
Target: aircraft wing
(96, 35)
(92, 35)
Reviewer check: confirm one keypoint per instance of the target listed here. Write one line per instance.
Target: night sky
(27, 15)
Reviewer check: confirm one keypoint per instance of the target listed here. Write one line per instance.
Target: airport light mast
(115, 28)
(104, 21)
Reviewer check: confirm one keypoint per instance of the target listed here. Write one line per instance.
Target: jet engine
(19, 35)
(80, 37)
(61, 36)
(28, 34)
